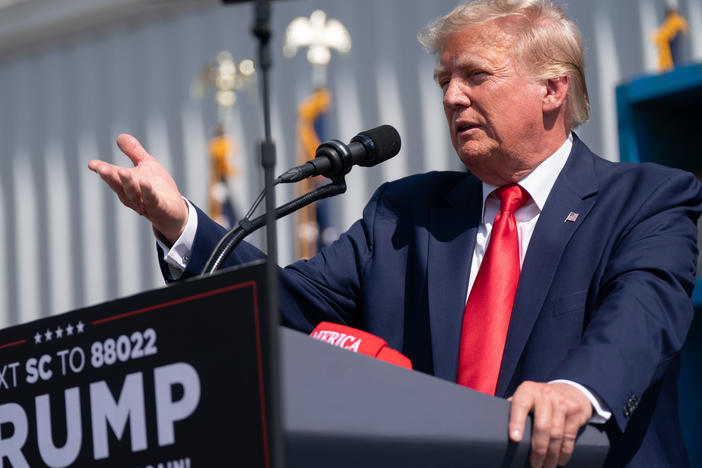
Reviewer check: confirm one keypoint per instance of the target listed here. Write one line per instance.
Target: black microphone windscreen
(386, 141)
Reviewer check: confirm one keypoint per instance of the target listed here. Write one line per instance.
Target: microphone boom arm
(245, 226)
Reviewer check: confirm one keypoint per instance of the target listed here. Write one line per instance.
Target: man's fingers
(555, 445)
(132, 148)
(108, 173)
(131, 190)
(567, 448)
(559, 410)
(522, 403)
(148, 196)
(570, 433)
(578, 411)
(541, 432)
(94, 164)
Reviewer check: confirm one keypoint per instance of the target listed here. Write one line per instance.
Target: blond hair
(546, 42)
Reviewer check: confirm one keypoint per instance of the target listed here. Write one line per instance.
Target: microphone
(360, 342)
(334, 159)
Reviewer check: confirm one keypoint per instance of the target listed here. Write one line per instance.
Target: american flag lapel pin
(572, 216)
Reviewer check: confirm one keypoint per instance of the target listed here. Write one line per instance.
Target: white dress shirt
(538, 183)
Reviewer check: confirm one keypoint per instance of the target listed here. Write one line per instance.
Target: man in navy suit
(607, 251)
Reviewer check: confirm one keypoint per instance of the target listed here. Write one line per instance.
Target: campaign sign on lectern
(168, 378)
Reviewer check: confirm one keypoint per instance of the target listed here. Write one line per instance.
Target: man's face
(494, 111)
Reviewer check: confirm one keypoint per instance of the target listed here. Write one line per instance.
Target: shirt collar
(539, 181)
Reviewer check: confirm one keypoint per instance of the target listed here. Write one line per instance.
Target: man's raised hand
(146, 188)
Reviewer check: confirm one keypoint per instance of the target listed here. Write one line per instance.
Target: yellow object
(673, 25)
(221, 169)
(306, 228)
(220, 149)
(307, 113)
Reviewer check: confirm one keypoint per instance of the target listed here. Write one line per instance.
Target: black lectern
(179, 377)
(342, 409)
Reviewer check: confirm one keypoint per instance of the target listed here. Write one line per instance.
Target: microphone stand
(262, 30)
(246, 226)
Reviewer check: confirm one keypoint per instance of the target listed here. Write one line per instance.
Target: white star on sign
(69, 329)
(59, 332)
(37, 338)
(80, 326)
(47, 335)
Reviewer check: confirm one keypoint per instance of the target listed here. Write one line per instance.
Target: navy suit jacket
(603, 300)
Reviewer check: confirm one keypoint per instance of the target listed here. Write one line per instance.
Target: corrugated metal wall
(69, 243)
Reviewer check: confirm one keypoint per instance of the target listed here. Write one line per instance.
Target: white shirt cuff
(600, 415)
(178, 255)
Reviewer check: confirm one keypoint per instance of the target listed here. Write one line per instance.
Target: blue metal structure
(659, 121)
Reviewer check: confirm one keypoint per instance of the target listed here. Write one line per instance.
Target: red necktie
(489, 307)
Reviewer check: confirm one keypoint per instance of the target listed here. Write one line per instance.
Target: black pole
(262, 31)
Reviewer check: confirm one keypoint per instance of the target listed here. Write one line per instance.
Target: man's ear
(556, 92)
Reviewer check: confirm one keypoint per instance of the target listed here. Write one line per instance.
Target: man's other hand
(559, 411)
(146, 188)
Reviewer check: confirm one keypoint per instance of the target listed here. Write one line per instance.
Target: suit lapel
(451, 243)
(574, 191)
